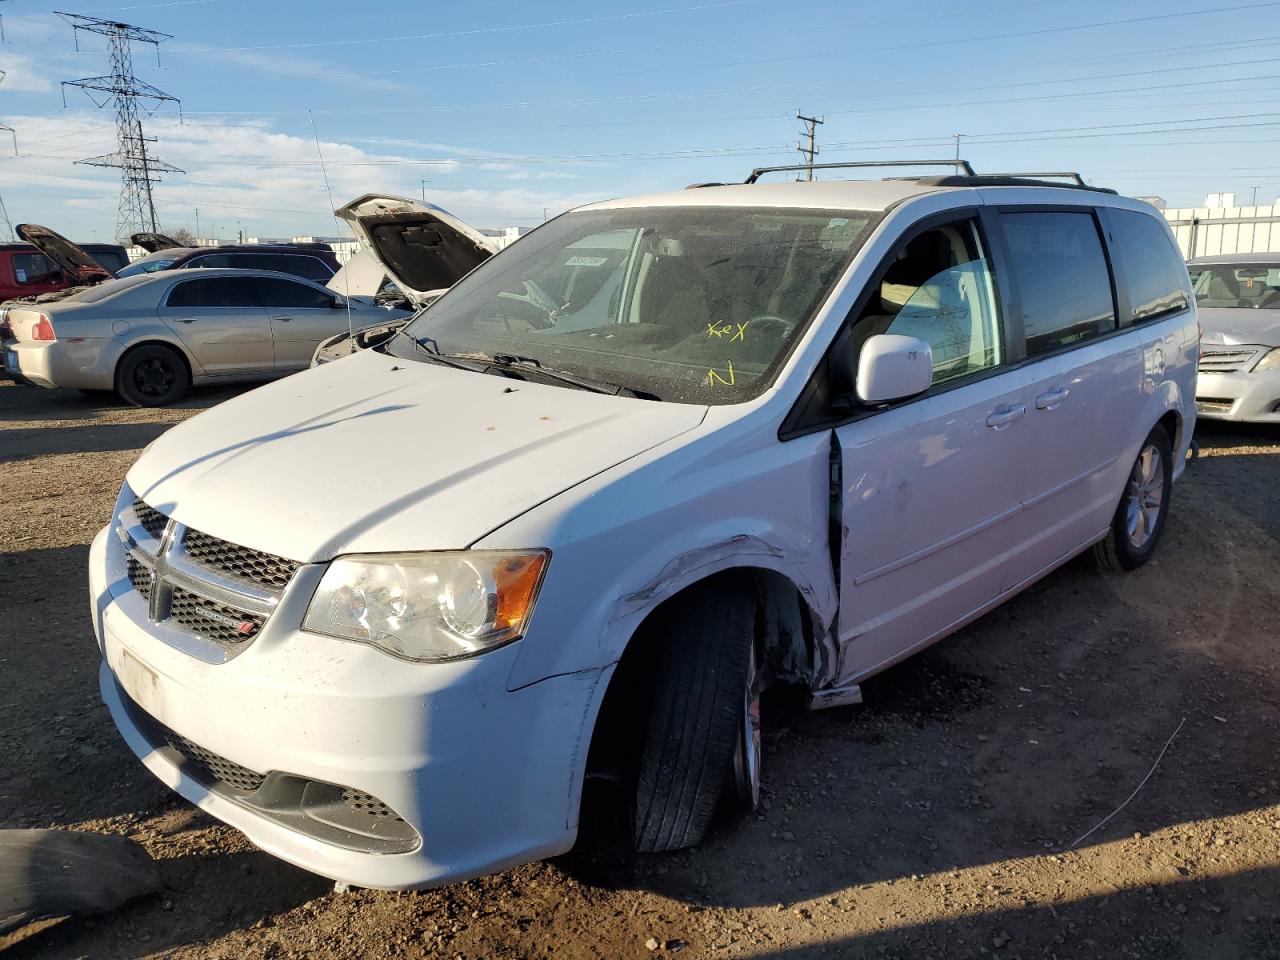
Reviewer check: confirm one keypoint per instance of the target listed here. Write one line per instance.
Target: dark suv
(312, 262)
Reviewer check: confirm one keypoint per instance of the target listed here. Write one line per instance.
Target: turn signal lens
(43, 330)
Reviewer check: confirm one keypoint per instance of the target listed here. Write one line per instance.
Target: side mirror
(893, 367)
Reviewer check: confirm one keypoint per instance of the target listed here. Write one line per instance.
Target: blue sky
(510, 108)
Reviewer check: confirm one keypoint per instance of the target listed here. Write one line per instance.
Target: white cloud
(21, 74)
(247, 173)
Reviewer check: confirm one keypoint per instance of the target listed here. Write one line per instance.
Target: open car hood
(361, 276)
(422, 247)
(78, 267)
(154, 242)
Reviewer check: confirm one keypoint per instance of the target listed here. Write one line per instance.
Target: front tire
(1139, 520)
(152, 376)
(692, 754)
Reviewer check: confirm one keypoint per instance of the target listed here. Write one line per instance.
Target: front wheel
(152, 376)
(1140, 518)
(702, 737)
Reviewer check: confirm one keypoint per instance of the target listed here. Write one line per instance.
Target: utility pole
(424, 190)
(811, 151)
(138, 170)
(957, 136)
(1254, 203)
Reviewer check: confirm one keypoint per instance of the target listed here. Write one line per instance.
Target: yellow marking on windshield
(735, 331)
(714, 378)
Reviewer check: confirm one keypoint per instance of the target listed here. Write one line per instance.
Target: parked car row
(660, 454)
(251, 312)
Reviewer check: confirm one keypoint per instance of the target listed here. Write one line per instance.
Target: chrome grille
(152, 520)
(214, 621)
(218, 593)
(139, 576)
(243, 563)
(217, 767)
(1226, 360)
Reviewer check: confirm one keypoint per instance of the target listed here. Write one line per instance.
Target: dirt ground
(935, 820)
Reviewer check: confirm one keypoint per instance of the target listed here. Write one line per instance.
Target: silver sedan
(149, 337)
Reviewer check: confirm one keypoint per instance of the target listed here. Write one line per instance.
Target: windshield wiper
(428, 346)
(507, 360)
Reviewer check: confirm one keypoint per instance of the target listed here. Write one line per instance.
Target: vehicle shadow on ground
(1215, 918)
(1018, 734)
(21, 402)
(29, 443)
(205, 896)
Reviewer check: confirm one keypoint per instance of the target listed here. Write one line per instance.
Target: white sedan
(1239, 308)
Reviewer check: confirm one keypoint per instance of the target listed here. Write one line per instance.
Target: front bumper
(486, 777)
(1239, 397)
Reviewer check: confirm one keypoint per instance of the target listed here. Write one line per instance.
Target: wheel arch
(153, 341)
(787, 632)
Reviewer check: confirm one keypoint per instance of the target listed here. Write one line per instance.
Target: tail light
(43, 330)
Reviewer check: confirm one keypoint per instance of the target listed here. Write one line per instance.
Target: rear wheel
(1140, 518)
(152, 376)
(702, 736)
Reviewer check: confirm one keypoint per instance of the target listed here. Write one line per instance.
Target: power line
(138, 170)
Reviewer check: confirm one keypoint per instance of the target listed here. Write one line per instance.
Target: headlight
(429, 606)
(1269, 361)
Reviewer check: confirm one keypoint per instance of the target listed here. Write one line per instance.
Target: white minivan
(385, 615)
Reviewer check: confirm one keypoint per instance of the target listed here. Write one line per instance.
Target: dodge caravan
(663, 452)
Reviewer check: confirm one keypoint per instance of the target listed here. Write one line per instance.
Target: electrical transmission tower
(138, 169)
(811, 151)
(4, 214)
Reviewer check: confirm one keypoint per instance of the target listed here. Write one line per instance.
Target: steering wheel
(769, 320)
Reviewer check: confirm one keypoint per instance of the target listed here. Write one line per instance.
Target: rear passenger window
(313, 268)
(1153, 268)
(1057, 266)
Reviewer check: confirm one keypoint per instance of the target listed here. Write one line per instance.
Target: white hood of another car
(1239, 325)
(422, 247)
(377, 454)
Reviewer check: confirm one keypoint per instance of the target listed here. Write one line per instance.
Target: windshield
(689, 304)
(1237, 285)
(146, 265)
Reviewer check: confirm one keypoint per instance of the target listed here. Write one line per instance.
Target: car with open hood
(417, 248)
(385, 616)
(47, 264)
(149, 337)
(1239, 308)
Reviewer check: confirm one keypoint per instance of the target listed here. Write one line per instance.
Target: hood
(78, 267)
(153, 242)
(376, 454)
(422, 247)
(1233, 326)
(360, 276)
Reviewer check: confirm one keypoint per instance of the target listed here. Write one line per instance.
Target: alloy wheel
(1145, 497)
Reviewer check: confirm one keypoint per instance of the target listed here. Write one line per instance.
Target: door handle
(282, 319)
(186, 319)
(1053, 399)
(1006, 415)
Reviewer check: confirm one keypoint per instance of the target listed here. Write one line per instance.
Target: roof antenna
(346, 278)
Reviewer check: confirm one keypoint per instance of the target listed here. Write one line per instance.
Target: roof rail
(1066, 175)
(961, 165)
